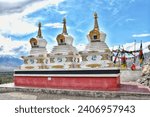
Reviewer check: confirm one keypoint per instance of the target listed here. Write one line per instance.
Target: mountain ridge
(9, 63)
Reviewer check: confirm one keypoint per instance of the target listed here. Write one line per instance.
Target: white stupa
(96, 53)
(38, 44)
(64, 55)
(64, 41)
(38, 54)
(96, 38)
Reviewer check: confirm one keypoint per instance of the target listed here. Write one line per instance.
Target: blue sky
(122, 20)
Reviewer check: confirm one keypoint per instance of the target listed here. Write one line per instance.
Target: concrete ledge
(84, 93)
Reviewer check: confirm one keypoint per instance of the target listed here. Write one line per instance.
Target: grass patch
(6, 77)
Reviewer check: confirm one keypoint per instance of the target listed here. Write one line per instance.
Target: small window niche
(34, 44)
(61, 41)
(95, 37)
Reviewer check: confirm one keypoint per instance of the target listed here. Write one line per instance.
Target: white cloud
(11, 1)
(131, 1)
(80, 30)
(129, 19)
(9, 46)
(62, 12)
(54, 25)
(141, 35)
(39, 5)
(80, 47)
(18, 24)
(14, 24)
(115, 11)
(130, 46)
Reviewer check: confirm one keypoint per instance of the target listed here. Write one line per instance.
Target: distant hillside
(9, 63)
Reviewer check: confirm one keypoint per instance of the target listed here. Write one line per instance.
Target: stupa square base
(63, 82)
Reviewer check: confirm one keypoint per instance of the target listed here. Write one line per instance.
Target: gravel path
(43, 96)
(17, 96)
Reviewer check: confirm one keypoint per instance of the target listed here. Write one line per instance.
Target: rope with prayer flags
(123, 62)
(117, 55)
(120, 54)
(123, 59)
(141, 56)
(133, 66)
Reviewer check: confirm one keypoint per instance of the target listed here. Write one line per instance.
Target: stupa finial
(39, 31)
(64, 27)
(96, 27)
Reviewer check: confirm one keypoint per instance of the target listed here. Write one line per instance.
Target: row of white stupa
(65, 56)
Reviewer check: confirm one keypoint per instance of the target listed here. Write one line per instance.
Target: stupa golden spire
(39, 31)
(96, 27)
(64, 27)
(95, 33)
